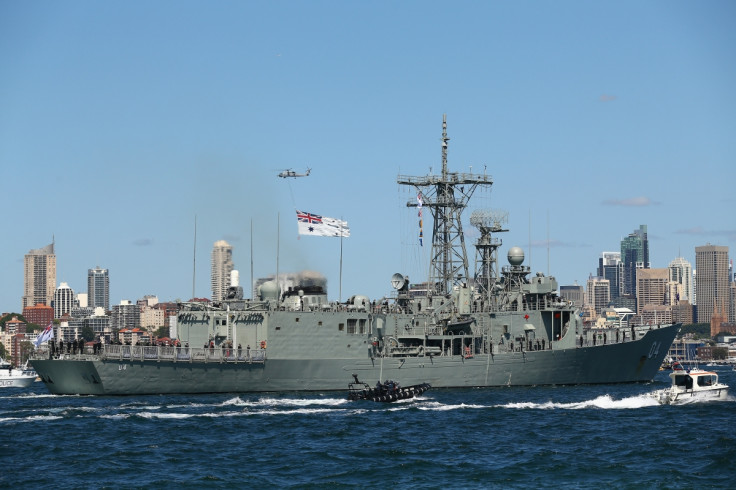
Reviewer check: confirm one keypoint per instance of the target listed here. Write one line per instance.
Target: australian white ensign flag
(47, 334)
(316, 225)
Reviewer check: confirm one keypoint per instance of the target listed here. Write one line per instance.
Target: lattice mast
(488, 222)
(446, 196)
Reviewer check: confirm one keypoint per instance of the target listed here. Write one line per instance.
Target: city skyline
(590, 118)
(221, 265)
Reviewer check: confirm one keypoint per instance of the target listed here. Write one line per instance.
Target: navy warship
(464, 327)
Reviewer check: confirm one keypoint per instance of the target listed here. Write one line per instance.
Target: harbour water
(572, 436)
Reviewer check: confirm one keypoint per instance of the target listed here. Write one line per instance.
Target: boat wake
(605, 402)
(245, 406)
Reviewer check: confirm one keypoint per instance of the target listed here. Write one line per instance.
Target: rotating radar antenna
(488, 222)
(489, 219)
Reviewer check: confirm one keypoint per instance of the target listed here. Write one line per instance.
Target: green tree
(720, 353)
(26, 349)
(699, 330)
(162, 332)
(87, 333)
(10, 316)
(3, 352)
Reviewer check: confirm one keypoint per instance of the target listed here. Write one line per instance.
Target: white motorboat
(12, 377)
(691, 385)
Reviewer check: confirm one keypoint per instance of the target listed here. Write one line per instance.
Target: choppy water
(580, 437)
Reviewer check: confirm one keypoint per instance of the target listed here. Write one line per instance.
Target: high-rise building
(598, 293)
(610, 267)
(41, 315)
(651, 288)
(574, 293)
(711, 264)
(125, 315)
(98, 288)
(39, 276)
(634, 255)
(63, 300)
(681, 272)
(222, 265)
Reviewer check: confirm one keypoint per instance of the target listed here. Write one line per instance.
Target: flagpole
(251, 259)
(339, 297)
(278, 238)
(194, 257)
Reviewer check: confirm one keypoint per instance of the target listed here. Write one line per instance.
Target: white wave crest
(432, 405)
(32, 418)
(603, 402)
(158, 415)
(295, 402)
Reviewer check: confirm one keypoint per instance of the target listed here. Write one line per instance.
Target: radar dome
(269, 290)
(516, 256)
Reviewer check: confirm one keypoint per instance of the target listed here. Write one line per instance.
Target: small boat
(11, 377)
(693, 384)
(390, 391)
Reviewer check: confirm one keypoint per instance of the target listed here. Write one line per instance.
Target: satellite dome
(516, 256)
(269, 290)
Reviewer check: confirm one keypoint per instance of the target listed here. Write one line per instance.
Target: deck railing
(157, 353)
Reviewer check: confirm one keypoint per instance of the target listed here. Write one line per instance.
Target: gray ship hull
(633, 361)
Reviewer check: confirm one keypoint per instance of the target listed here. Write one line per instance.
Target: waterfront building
(80, 299)
(125, 315)
(94, 318)
(598, 293)
(651, 288)
(634, 255)
(719, 320)
(574, 294)
(222, 266)
(99, 322)
(69, 330)
(682, 312)
(98, 288)
(11, 337)
(40, 315)
(39, 276)
(681, 271)
(148, 300)
(63, 300)
(712, 287)
(653, 314)
(625, 301)
(684, 349)
(152, 318)
(131, 336)
(171, 310)
(610, 267)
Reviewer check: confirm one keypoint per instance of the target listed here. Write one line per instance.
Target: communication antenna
(194, 257)
(488, 222)
(446, 196)
(548, 242)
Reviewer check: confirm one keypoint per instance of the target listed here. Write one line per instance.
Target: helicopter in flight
(291, 173)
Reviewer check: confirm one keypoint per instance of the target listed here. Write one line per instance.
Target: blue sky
(121, 121)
